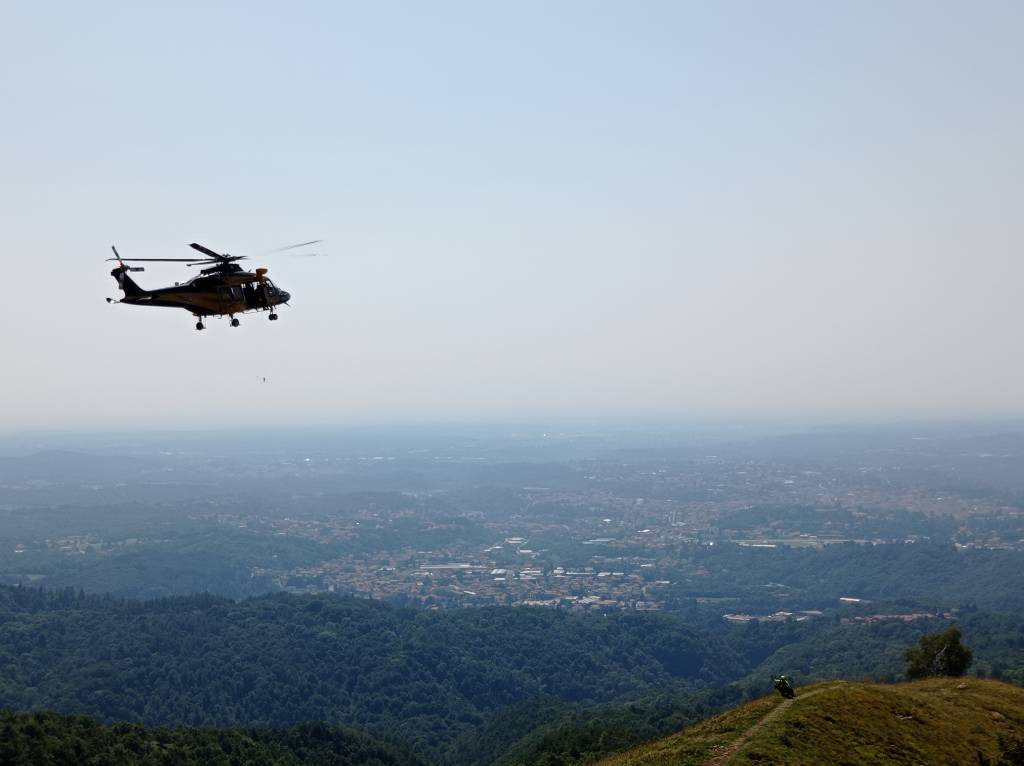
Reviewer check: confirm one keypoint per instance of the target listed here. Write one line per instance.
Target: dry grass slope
(696, 744)
(937, 721)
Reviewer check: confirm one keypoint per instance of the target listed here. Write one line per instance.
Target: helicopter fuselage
(207, 294)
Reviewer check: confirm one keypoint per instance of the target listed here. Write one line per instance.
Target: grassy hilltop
(936, 721)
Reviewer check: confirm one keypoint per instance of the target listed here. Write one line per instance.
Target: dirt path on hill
(725, 755)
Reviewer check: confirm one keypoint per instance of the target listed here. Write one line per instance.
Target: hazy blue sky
(574, 208)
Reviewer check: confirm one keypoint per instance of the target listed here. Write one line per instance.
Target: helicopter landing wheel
(273, 317)
(234, 322)
(200, 326)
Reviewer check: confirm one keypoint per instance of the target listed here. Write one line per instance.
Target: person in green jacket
(784, 686)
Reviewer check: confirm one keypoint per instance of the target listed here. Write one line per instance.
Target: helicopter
(223, 288)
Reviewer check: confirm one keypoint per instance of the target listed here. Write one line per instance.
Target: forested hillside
(420, 677)
(475, 686)
(28, 739)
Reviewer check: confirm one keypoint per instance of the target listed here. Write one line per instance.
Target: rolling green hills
(936, 721)
(473, 687)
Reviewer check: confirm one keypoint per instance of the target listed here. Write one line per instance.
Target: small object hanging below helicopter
(223, 288)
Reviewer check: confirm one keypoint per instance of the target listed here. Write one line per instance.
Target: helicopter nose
(285, 296)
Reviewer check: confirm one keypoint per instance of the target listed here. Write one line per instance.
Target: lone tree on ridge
(938, 654)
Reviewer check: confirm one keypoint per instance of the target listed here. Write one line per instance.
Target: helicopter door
(230, 297)
(251, 295)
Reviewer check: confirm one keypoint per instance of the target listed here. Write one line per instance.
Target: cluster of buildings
(424, 577)
(592, 542)
(801, 616)
(904, 617)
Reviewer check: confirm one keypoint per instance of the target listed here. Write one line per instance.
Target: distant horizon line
(647, 423)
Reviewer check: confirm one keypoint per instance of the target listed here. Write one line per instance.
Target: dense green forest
(464, 686)
(28, 739)
(548, 731)
(418, 676)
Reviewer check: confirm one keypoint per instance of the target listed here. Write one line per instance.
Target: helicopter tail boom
(126, 283)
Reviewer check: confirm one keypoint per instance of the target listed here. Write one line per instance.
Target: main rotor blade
(205, 250)
(223, 260)
(153, 260)
(293, 247)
